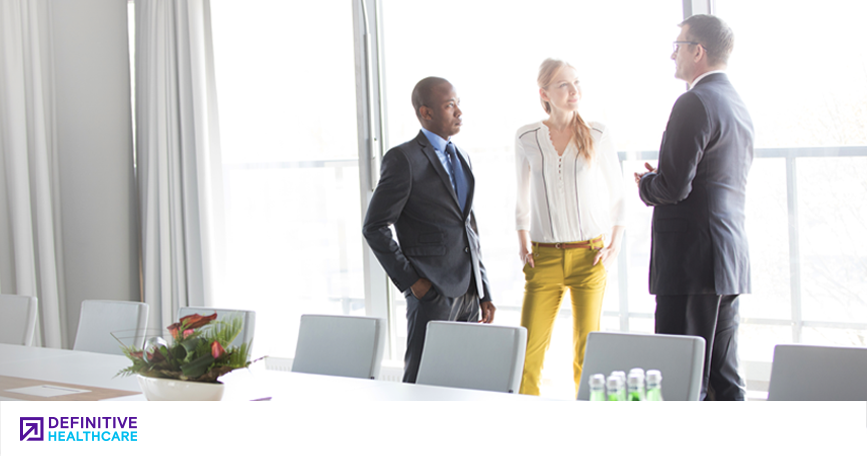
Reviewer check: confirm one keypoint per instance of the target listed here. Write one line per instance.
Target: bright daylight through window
(287, 102)
(290, 153)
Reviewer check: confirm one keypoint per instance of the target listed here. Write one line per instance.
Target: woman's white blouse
(561, 198)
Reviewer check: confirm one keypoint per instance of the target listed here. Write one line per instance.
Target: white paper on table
(47, 390)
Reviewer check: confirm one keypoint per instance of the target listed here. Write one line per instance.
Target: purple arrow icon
(33, 425)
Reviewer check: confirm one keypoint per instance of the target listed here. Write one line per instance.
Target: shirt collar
(436, 140)
(703, 76)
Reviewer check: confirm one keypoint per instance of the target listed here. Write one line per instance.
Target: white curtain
(30, 247)
(178, 157)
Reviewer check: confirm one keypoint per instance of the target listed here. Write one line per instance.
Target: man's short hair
(421, 94)
(714, 35)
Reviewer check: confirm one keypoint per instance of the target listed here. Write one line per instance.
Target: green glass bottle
(597, 387)
(635, 389)
(654, 385)
(622, 376)
(615, 388)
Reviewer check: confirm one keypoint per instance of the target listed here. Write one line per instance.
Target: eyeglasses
(676, 45)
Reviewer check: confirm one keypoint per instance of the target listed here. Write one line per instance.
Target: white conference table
(97, 370)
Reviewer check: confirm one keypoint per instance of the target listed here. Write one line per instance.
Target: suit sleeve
(386, 205)
(484, 273)
(683, 144)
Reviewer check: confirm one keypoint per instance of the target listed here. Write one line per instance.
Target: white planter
(165, 389)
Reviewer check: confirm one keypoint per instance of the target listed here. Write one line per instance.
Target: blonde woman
(570, 217)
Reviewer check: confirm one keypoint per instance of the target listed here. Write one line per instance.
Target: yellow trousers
(555, 270)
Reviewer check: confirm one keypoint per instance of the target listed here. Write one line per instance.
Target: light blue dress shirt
(439, 145)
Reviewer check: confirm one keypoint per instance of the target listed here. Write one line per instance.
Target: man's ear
(424, 112)
(700, 52)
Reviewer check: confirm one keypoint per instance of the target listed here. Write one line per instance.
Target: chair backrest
(679, 358)
(248, 318)
(818, 373)
(99, 319)
(342, 345)
(17, 319)
(473, 356)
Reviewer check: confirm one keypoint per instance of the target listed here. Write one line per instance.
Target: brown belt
(571, 245)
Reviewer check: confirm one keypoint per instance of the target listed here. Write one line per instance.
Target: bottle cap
(620, 374)
(654, 376)
(597, 380)
(635, 379)
(615, 383)
(636, 370)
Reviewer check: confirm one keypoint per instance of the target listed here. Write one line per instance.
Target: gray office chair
(17, 319)
(248, 318)
(341, 345)
(473, 356)
(818, 373)
(98, 320)
(679, 358)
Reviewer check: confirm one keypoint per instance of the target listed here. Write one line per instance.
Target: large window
(492, 55)
(803, 74)
(287, 80)
(806, 221)
(286, 93)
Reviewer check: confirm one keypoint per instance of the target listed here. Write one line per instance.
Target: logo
(32, 428)
(79, 429)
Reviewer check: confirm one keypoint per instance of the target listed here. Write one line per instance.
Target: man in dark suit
(699, 257)
(426, 192)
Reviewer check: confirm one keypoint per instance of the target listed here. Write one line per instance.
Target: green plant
(197, 352)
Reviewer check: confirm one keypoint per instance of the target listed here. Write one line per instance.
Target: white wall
(94, 133)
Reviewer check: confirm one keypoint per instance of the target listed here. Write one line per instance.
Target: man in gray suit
(426, 192)
(699, 257)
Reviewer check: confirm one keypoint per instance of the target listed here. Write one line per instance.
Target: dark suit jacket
(437, 241)
(699, 245)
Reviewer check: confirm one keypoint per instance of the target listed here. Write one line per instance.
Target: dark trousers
(432, 306)
(716, 319)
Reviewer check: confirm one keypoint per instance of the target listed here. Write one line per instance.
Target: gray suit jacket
(436, 240)
(699, 245)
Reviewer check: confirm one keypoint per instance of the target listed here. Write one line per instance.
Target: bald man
(426, 192)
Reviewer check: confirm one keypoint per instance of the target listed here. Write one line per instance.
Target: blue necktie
(459, 179)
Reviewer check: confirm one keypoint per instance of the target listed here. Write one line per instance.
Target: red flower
(188, 332)
(136, 354)
(191, 322)
(197, 321)
(217, 350)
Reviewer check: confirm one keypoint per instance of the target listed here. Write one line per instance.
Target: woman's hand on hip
(527, 256)
(606, 255)
(526, 250)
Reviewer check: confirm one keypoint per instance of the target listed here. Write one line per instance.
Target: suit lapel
(431, 155)
(471, 180)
